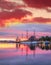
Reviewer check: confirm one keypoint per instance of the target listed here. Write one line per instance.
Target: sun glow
(11, 22)
(7, 39)
(6, 45)
(48, 22)
(22, 39)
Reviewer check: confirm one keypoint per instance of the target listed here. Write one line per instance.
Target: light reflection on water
(14, 54)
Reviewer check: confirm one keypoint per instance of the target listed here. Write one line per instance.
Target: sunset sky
(16, 16)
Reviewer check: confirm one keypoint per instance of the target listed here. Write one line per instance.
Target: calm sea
(13, 54)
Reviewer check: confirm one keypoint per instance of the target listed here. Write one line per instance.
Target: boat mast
(22, 35)
(27, 34)
(34, 34)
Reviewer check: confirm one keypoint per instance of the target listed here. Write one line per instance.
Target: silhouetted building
(32, 38)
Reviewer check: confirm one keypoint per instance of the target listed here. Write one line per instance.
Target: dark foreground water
(23, 55)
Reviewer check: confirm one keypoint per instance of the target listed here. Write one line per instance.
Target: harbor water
(15, 54)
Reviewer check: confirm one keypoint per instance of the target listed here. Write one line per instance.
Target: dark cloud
(38, 3)
(41, 20)
(7, 5)
(18, 13)
(37, 20)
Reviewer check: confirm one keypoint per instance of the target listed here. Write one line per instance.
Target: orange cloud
(13, 21)
(27, 19)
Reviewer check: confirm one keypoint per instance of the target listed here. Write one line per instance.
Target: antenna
(34, 34)
(22, 35)
(17, 38)
(27, 34)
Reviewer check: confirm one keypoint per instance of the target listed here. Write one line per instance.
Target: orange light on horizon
(23, 20)
(7, 39)
(22, 39)
(6, 45)
(12, 21)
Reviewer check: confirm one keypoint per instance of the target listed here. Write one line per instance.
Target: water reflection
(23, 54)
(33, 46)
(45, 46)
(28, 49)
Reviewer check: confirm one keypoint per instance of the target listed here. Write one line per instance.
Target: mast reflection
(27, 48)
